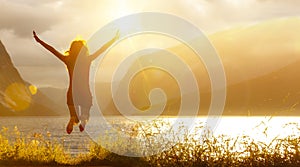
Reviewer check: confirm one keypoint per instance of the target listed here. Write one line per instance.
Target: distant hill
(57, 95)
(262, 65)
(20, 98)
(277, 93)
(252, 51)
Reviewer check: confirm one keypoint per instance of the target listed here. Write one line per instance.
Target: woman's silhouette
(78, 61)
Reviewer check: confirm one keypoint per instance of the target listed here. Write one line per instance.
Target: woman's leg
(84, 117)
(73, 118)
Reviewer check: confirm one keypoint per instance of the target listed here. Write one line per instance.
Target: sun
(236, 3)
(120, 9)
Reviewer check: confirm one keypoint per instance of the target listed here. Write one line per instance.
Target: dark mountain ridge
(20, 98)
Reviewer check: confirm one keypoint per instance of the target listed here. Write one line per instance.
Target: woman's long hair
(77, 48)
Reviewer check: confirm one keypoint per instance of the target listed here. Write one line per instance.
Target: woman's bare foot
(69, 128)
(81, 127)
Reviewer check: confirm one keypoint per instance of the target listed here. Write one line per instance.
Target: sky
(59, 21)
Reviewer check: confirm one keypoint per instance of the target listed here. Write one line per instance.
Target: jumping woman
(78, 61)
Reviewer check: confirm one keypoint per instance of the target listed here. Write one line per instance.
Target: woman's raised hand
(117, 36)
(35, 36)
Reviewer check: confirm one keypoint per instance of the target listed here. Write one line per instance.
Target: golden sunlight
(234, 2)
(32, 89)
(78, 38)
(122, 9)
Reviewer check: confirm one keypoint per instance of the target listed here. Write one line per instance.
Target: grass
(41, 150)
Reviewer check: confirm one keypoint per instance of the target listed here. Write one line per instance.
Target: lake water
(260, 128)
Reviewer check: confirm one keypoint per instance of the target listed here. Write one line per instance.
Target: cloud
(23, 17)
(216, 15)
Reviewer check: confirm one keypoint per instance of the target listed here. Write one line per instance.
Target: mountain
(142, 83)
(276, 93)
(57, 95)
(261, 63)
(252, 51)
(20, 98)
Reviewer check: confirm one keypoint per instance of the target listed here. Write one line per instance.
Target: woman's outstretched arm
(50, 48)
(104, 47)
